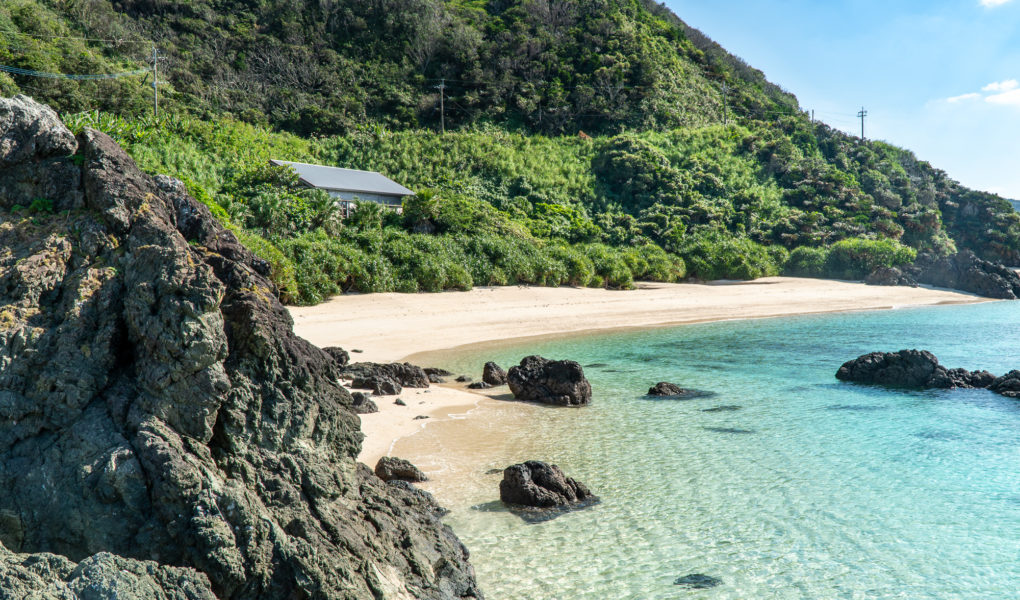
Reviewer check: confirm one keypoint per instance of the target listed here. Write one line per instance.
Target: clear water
(812, 489)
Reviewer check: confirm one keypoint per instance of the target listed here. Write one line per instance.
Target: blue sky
(939, 77)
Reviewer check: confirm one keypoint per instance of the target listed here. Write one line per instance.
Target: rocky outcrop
(380, 386)
(389, 469)
(912, 369)
(546, 381)
(405, 374)
(1008, 385)
(493, 374)
(965, 271)
(103, 576)
(889, 276)
(540, 485)
(159, 420)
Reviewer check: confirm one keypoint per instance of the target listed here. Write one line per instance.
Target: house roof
(345, 180)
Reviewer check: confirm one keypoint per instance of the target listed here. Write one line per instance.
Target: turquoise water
(811, 489)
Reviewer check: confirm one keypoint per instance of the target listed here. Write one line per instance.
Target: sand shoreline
(420, 327)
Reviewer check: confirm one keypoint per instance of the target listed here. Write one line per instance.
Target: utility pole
(155, 82)
(725, 104)
(442, 104)
(862, 114)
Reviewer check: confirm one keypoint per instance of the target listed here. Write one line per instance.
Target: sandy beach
(395, 327)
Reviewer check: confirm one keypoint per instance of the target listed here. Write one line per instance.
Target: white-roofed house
(349, 186)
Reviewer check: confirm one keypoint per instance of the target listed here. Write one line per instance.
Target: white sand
(392, 327)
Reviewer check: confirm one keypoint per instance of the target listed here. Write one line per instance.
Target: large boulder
(340, 356)
(405, 374)
(910, 369)
(540, 485)
(493, 374)
(559, 382)
(157, 406)
(390, 468)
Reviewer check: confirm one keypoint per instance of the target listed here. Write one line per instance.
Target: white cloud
(963, 98)
(1009, 98)
(991, 3)
(1001, 86)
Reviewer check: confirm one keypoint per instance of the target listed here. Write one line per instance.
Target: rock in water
(157, 405)
(540, 485)
(493, 374)
(664, 389)
(1008, 385)
(389, 468)
(479, 385)
(912, 369)
(697, 581)
(546, 381)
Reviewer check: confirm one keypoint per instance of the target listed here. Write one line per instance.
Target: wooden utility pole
(862, 114)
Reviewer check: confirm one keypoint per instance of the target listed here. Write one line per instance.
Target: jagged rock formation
(560, 382)
(155, 404)
(963, 271)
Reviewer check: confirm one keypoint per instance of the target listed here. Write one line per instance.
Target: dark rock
(732, 430)
(164, 434)
(965, 271)
(422, 417)
(493, 374)
(697, 581)
(546, 381)
(380, 385)
(463, 379)
(672, 391)
(389, 468)
(400, 402)
(889, 276)
(727, 408)
(1008, 385)
(339, 355)
(540, 485)
(437, 372)
(436, 378)
(494, 472)
(356, 351)
(405, 374)
(363, 404)
(479, 385)
(910, 369)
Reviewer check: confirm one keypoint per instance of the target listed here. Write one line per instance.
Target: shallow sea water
(810, 489)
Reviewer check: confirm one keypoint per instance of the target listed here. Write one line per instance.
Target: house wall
(377, 198)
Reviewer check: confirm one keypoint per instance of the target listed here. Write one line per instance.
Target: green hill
(694, 164)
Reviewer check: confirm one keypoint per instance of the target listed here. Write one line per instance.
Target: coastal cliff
(163, 432)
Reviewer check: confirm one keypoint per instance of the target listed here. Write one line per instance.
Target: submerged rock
(493, 374)
(164, 434)
(479, 385)
(436, 375)
(664, 389)
(389, 468)
(546, 381)
(697, 581)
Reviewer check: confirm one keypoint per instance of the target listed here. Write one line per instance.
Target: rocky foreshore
(163, 432)
(919, 369)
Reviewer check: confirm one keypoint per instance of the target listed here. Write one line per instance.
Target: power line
(75, 77)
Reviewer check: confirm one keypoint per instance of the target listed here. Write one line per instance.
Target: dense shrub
(806, 261)
(711, 258)
(611, 269)
(857, 257)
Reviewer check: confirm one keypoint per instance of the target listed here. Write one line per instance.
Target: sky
(939, 77)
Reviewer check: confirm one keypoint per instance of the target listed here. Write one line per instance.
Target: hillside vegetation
(692, 165)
